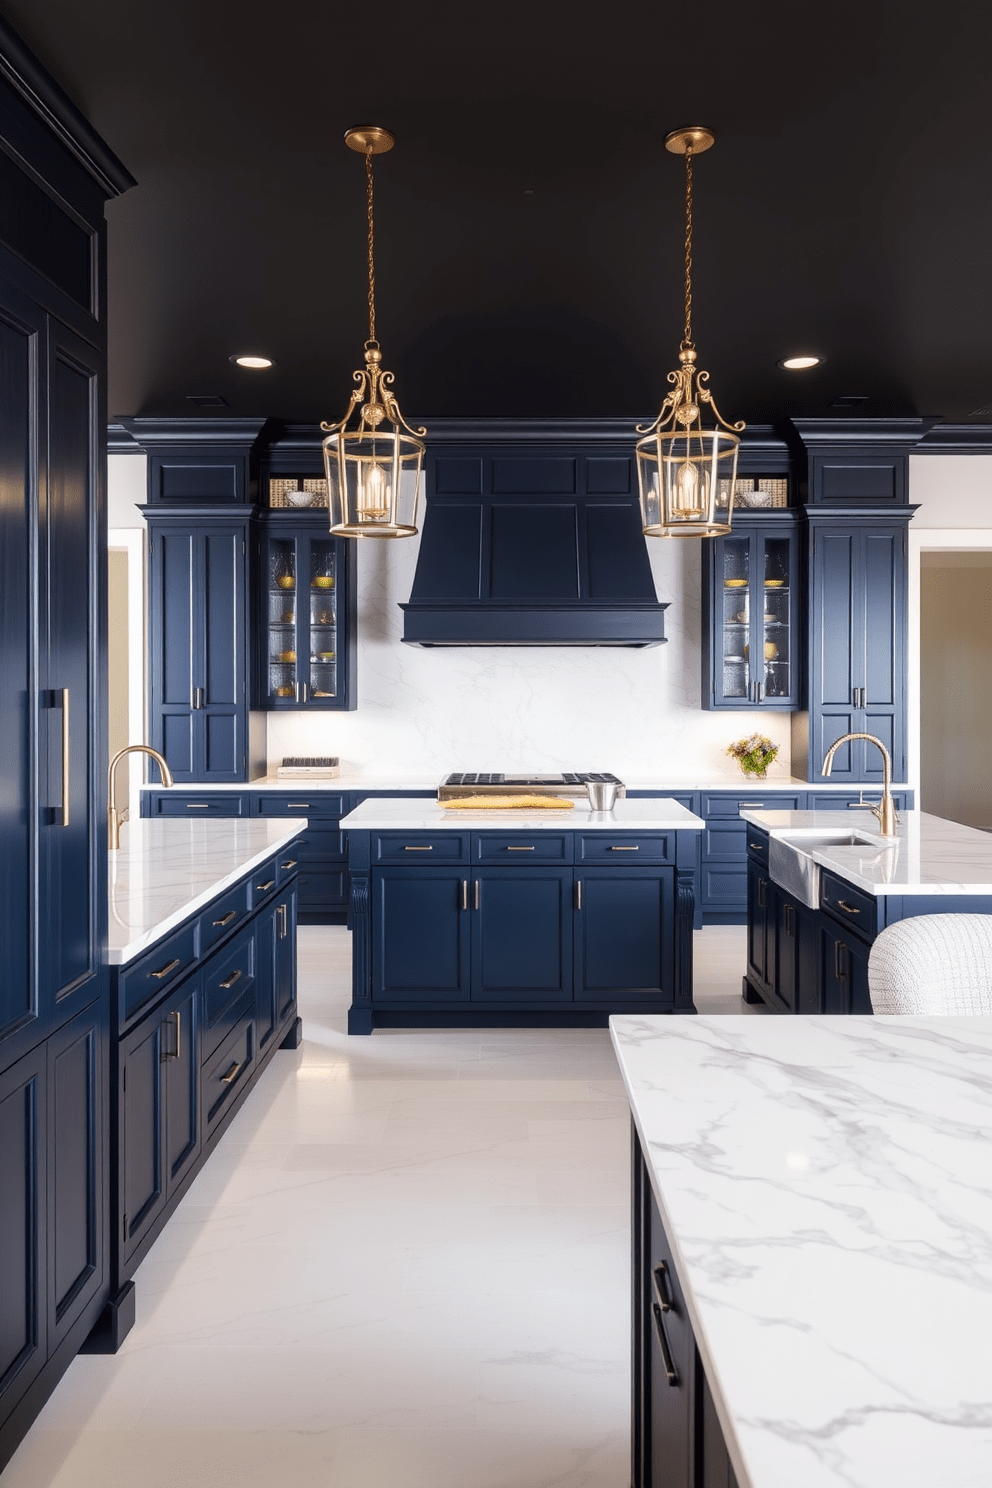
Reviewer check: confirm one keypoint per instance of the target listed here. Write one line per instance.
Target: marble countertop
(827, 1187)
(429, 780)
(929, 855)
(411, 815)
(165, 870)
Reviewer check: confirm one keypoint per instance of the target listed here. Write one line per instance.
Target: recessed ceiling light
(253, 361)
(800, 363)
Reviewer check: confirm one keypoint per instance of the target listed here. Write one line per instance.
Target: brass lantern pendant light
(686, 473)
(373, 473)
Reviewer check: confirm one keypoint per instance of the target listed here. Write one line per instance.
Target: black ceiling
(529, 222)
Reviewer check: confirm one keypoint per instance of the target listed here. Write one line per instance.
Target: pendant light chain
(687, 332)
(368, 179)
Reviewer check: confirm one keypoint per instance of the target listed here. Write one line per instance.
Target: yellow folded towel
(509, 803)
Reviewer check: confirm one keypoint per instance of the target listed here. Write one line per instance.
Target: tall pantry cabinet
(55, 178)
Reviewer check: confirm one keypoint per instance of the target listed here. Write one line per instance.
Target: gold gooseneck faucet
(114, 822)
(886, 808)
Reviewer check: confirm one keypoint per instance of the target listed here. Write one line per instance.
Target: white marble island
(826, 1188)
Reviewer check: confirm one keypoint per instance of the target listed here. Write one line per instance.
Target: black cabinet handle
(661, 1287)
(232, 914)
(840, 972)
(230, 981)
(666, 1352)
(789, 917)
(158, 975)
(762, 885)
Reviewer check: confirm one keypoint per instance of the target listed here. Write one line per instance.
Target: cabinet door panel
(882, 569)
(671, 1364)
(143, 1180)
(175, 741)
(73, 826)
(521, 936)
(222, 745)
(624, 934)
(222, 620)
(758, 889)
(19, 355)
(835, 559)
(182, 1082)
(77, 1076)
(285, 956)
(23, 1183)
(843, 970)
(422, 947)
(172, 610)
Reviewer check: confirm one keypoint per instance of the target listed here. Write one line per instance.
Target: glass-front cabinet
(750, 614)
(306, 656)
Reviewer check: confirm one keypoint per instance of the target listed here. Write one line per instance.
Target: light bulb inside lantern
(689, 490)
(373, 500)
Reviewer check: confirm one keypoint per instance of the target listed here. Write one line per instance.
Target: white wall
(956, 699)
(127, 477)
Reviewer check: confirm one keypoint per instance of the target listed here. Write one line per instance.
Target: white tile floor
(404, 1267)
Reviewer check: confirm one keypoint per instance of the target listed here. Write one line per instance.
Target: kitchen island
(202, 952)
(519, 918)
(813, 1267)
(808, 941)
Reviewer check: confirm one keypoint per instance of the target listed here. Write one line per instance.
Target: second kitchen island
(519, 918)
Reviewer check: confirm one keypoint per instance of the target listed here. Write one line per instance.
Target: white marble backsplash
(633, 712)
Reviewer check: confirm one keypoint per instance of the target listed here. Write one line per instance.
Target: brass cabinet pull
(260, 888)
(283, 913)
(232, 1074)
(64, 818)
(418, 849)
(847, 908)
(158, 975)
(464, 893)
(521, 849)
(578, 893)
(232, 914)
(230, 981)
(290, 864)
(624, 849)
(476, 893)
(197, 805)
(756, 846)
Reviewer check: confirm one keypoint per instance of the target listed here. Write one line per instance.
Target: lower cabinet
(843, 969)
(552, 940)
(182, 1066)
(53, 1175)
(676, 1439)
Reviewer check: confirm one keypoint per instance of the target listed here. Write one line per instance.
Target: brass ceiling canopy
(373, 473)
(686, 474)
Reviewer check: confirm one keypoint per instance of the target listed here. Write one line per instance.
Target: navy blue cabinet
(751, 596)
(624, 928)
(55, 177)
(305, 637)
(421, 947)
(856, 648)
(275, 984)
(199, 646)
(521, 935)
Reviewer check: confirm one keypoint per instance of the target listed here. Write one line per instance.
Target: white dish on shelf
(299, 498)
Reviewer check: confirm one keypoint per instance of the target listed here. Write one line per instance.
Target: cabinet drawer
(725, 888)
(519, 848)
(225, 1070)
(853, 908)
(732, 804)
(264, 881)
(300, 803)
(198, 803)
(323, 890)
(144, 982)
(844, 801)
(725, 840)
(428, 848)
(624, 850)
(287, 862)
(224, 915)
(757, 845)
(321, 846)
(227, 977)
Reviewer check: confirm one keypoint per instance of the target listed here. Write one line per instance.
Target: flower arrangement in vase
(754, 754)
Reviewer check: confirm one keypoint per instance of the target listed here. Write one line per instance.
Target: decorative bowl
(299, 497)
(323, 582)
(774, 583)
(287, 655)
(286, 581)
(735, 583)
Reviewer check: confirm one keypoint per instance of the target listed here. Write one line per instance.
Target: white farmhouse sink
(791, 864)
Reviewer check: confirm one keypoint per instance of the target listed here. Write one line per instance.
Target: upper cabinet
(751, 614)
(305, 649)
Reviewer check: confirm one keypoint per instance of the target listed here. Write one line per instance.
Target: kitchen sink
(791, 866)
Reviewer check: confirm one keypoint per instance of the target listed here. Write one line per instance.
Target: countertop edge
(119, 956)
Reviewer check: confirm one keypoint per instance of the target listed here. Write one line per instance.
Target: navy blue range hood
(528, 549)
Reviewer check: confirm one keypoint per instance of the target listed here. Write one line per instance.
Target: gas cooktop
(550, 782)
